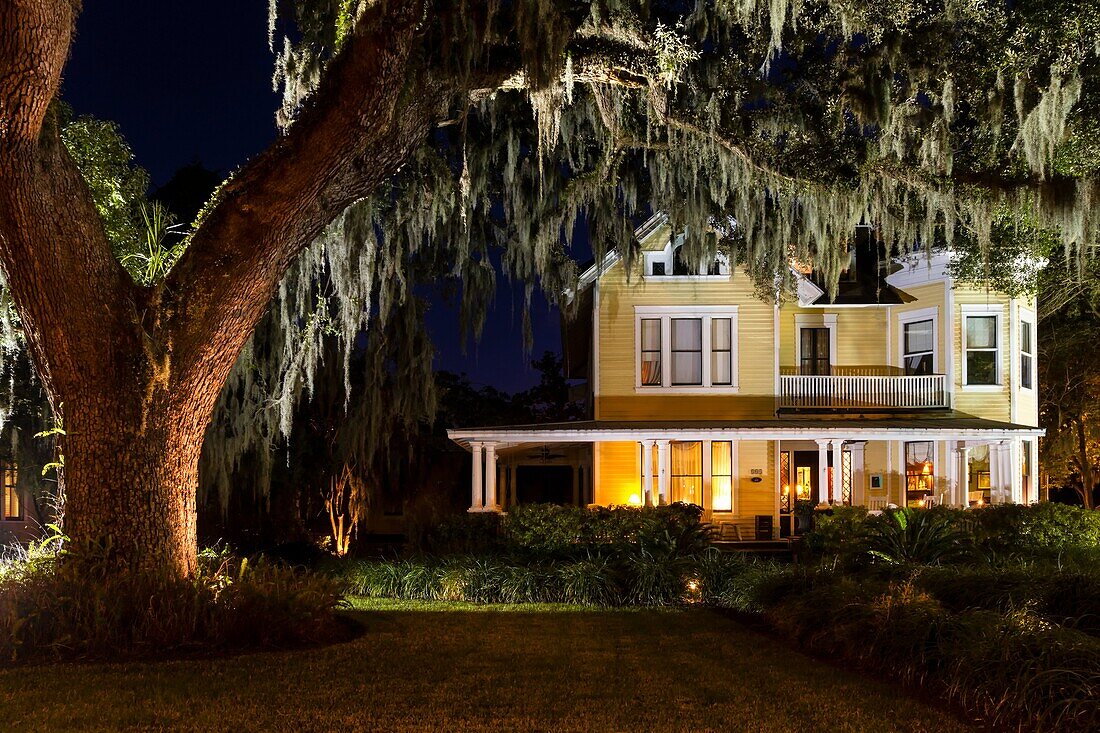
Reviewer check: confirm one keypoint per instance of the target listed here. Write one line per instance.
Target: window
(918, 345)
(721, 475)
(1025, 471)
(680, 265)
(981, 350)
(919, 472)
(686, 472)
(721, 351)
(686, 350)
(651, 351)
(13, 505)
(814, 354)
(658, 269)
(1027, 356)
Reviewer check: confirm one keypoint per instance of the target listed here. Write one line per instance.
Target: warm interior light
(798, 489)
(927, 467)
(920, 503)
(981, 501)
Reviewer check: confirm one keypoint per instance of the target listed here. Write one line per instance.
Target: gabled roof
(871, 289)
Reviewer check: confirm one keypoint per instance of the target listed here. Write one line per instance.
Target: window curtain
(687, 472)
(721, 475)
(721, 349)
(687, 351)
(651, 351)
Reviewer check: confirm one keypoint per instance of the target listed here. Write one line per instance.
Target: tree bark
(136, 371)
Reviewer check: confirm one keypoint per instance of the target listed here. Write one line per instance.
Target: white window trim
(1027, 317)
(967, 310)
(666, 314)
(914, 316)
(814, 320)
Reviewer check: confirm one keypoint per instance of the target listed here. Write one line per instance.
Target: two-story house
(906, 388)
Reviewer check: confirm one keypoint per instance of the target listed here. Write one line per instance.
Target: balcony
(861, 388)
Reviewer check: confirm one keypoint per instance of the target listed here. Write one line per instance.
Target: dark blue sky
(191, 82)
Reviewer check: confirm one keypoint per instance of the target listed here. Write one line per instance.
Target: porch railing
(863, 391)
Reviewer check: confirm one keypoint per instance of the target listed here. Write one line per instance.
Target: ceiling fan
(545, 454)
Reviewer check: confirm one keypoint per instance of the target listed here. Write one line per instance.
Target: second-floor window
(686, 349)
(981, 350)
(919, 347)
(1027, 356)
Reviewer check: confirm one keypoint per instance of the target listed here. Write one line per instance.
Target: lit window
(981, 350)
(651, 351)
(721, 475)
(687, 472)
(919, 347)
(1025, 470)
(13, 506)
(687, 351)
(1027, 356)
(919, 472)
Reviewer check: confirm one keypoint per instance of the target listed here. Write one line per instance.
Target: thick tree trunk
(130, 479)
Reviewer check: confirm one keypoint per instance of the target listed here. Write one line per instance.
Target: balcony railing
(893, 391)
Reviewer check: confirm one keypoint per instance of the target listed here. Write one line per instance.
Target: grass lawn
(458, 667)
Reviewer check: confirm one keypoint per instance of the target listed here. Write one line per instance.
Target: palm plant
(915, 537)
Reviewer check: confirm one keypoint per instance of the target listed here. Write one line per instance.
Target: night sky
(191, 82)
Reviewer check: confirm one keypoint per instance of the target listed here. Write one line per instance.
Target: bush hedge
(549, 531)
(1005, 532)
(69, 605)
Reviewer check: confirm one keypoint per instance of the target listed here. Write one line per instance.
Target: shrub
(1045, 529)
(914, 536)
(1013, 669)
(80, 605)
(590, 582)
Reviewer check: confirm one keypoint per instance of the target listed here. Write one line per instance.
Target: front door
(814, 352)
(798, 472)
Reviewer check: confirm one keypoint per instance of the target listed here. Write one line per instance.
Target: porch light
(920, 503)
(798, 489)
(634, 500)
(786, 489)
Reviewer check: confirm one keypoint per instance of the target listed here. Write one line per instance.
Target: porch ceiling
(950, 426)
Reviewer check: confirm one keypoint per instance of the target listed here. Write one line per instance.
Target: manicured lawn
(458, 667)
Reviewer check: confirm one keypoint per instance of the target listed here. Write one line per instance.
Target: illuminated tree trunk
(136, 371)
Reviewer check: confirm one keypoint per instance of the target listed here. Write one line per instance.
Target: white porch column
(996, 474)
(822, 472)
(476, 481)
(859, 480)
(838, 472)
(648, 498)
(964, 479)
(1015, 454)
(491, 502)
(663, 470)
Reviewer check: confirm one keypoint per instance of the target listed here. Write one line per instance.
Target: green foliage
(118, 187)
(78, 604)
(1043, 531)
(563, 532)
(1010, 669)
(911, 536)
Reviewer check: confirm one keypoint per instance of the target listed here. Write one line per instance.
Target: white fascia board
(807, 291)
(464, 437)
(642, 233)
(920, 268)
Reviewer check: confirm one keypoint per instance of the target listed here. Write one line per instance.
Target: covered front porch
(759, 475)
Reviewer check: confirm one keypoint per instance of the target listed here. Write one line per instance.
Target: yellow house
(905, 389)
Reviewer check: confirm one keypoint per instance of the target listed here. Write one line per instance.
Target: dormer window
(672, 262)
